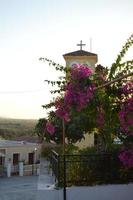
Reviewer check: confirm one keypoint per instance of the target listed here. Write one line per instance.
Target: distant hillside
(11, 128)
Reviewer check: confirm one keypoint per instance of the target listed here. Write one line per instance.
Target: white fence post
(21, 169)
(9, 169)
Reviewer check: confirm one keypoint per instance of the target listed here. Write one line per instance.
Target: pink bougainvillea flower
(126, 157)
(78, 92)
(50, 128)
(63, 113)
(126, 117)
(80, 71)
(128, 88)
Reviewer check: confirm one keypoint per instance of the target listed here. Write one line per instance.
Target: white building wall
(88, 141)
(23, 150)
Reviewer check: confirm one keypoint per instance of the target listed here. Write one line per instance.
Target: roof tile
(80, 53)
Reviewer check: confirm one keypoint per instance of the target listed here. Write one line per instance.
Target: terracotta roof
(80, 53)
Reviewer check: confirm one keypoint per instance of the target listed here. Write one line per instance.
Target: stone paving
(18, 188)
(46, 188)
(45, 179)
(29, 187)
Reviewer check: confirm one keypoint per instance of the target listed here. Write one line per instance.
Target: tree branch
(115, 80)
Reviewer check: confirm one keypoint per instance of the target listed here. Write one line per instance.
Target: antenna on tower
(90, 44)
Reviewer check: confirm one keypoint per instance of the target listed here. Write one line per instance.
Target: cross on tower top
(81, 44)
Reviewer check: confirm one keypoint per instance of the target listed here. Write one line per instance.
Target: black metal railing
(93, 168)
(55, 164)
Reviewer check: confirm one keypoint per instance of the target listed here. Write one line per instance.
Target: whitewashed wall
(107, 192)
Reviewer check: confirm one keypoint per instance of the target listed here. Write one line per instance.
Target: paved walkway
(18, 188)
(45, 179)
(29, 187)
(46, 188)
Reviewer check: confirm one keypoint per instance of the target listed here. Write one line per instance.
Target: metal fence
(94, 168)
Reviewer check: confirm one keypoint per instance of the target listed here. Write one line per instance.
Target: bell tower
(81, 57)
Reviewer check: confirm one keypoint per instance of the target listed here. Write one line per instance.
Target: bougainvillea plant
(78, 92)
(126, 157)
(85, 106)
(50, 128)
(126, 126)
(126, 117)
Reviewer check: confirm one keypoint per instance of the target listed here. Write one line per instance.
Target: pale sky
(30, 29)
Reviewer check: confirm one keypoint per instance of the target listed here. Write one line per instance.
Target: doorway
(16, 157)
(31, 158)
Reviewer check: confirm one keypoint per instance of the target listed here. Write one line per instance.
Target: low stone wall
(104, 192)
(31, 169)
(22, 170)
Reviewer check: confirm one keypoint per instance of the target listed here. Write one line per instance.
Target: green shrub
(87, 167)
